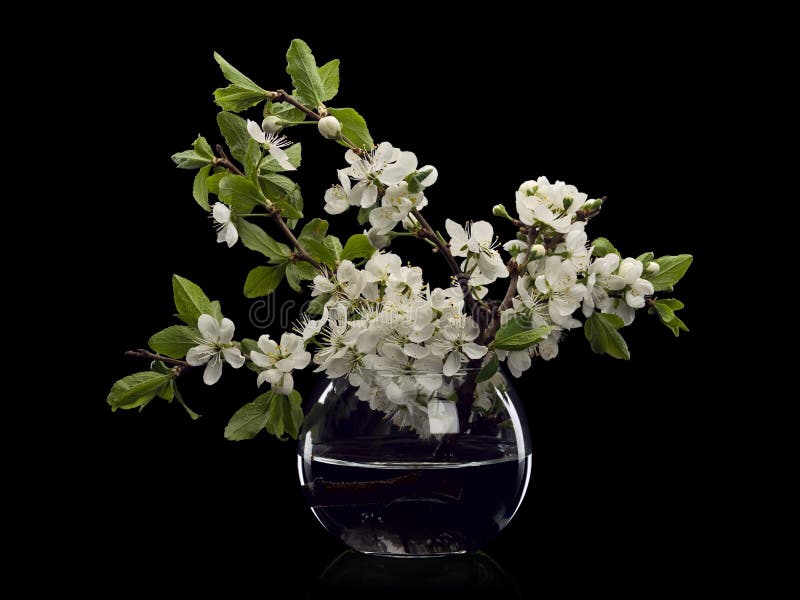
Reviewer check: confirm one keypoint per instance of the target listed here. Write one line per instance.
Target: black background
(622, 471)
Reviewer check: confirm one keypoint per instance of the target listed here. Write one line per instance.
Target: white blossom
(215, 346)
(456, 342)
(226, 230)
(337, 197)
(385, 164)
(279, 360)
(273, 143)
(329, 127)
(629, 278)
(559, 284)
(476, 242)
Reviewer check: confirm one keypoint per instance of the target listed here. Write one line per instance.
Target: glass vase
(399, 463)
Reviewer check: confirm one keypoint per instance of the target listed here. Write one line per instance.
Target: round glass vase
(401, 463)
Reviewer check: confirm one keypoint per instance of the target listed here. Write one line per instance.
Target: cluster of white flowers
(380, 174)
(383, 317)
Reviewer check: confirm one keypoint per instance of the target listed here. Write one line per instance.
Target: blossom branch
(442, 248)
(302, 253)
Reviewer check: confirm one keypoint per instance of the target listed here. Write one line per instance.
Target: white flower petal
(473, 350)
(452, 364)
(256, 132)
(233, 356)
(226, 330)
(209, 327)
(199, 355)
(221, 213)
(231, 235)
(213, 370)
(279, 155)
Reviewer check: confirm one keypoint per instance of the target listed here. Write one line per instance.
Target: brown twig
(140, 353)
(302, 253)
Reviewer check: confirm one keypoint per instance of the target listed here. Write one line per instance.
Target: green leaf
(673, 268)
(190, 300)
(302, 67)
(212, 183)
(489, 369)
(518, 335)
(180, 400)
(236, 77)
(236, 98)
(258, 240)
(234, 129)
(666, 313)
(200, 188)
(252, 157)
(357, 246)
(415, 179)
(601, 331)
(315, 229)
(269, 165)
(317, 304)
(285, 415)
(334, 245)
(354, 127)
(602, 247)
(645, 258)
(216, 310)
(262, 281)
(250, 419)
(329, 74)
(288, 210)
(293, 277)
(285, 111)
(248, 347)
(305, 271)
(174, 341)
(279, 187)
(363, 215)
(167, 392)
(136, 390)
(240, 193)
(320, 251)
(199, 156)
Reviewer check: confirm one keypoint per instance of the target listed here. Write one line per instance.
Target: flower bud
(537, 251)
(329, 127)
(498, 210)
(272, 124)
(652, 268)
(431, 177)
(592, 205)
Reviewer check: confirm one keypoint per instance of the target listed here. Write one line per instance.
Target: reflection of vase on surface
(352, 575)
(415, 464)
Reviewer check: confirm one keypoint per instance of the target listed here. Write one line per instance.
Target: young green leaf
(199, 156)
(269, 165)
(236, 99)
(602, 247)
(262, 281)
(518, 335)
(250, 419)
(357, 246)
(212, 183)
(136, 390)
(354, 127)
(329, 74)
(200, 188)
(236, 77)
(645, 258)
(673, 268)
(258, 240)
(240, 193)
(666, 313)
(363, 215)
(234, 129)
(302, 67)
(216, 310)
(304, 271)
(279, 187)
(601, 331)
(174, 341)
(489, 369)
(190, 300)
(180, 400)
(288, 210)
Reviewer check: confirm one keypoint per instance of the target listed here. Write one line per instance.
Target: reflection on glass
(353, 575)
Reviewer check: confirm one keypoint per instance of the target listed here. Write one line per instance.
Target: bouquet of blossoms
(369, 312)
